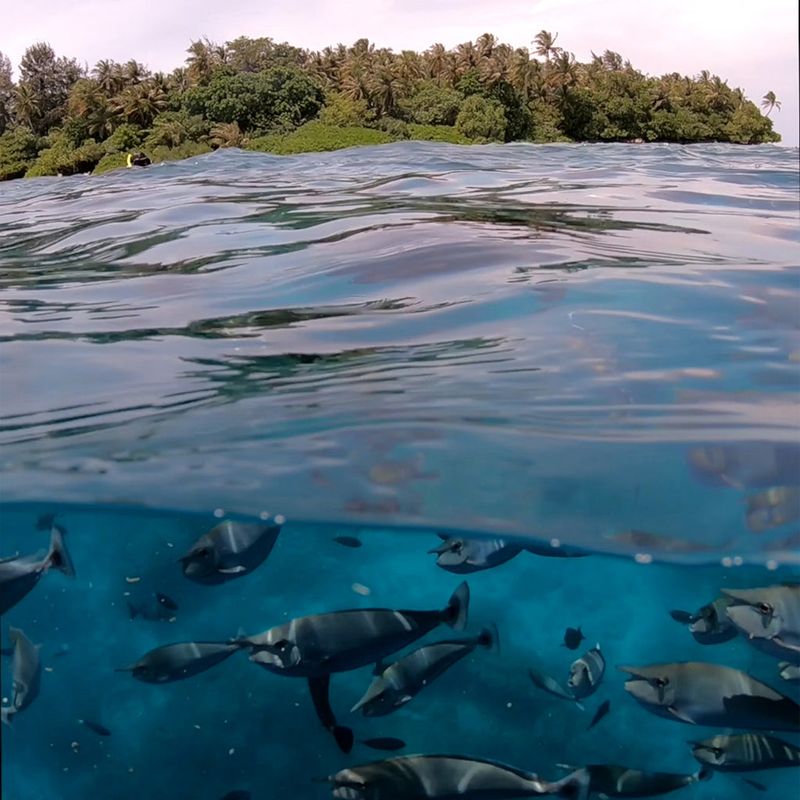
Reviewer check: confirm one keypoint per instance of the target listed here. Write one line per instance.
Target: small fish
(573, 638)
(612, 780)
(237, 794)
(99, 729)
(745, 752)
(709, 624)
(174, 662)
(602, 710)
(461, 556)
(229, 550)
(384, 743)
(156, 607)
(755, 784)
(586, 672)
(26, 675)
(347, 541)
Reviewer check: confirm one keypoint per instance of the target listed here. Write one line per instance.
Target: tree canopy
(255, 92)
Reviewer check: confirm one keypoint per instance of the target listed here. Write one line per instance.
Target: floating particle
(555, 543)
(48, 669)
(279, 519)
(264, 515)
(76, 747)
(643, 558)
(169, 544)
(135, 579)
(231, 751)
(219, 513)
(359, 588)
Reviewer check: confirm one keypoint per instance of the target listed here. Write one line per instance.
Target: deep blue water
(566, 343)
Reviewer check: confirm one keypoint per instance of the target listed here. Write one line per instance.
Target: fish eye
(457, 546)
(283, 645)
(764, 608)
(718, 752)
(203, 552)
(662, 682)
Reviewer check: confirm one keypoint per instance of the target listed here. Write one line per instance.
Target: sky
(751, 44)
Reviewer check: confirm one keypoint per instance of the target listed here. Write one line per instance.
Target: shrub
(433, 105)
(63, 159)
(344, 112)
(482, 119)
(126, 137)
(317, 137)
(437, 133)
(18, 149)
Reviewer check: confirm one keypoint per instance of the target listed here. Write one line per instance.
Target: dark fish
(710, 694)
(156, 607)
(99, 729)
(573, 638)
(755, 784)
(26, 674)
(612, 780)
(402, 681)
(549, 684)
(462, 556)
(445, 778)
(586, 672)
(709, 624)
(745, 752)
(174, 662)
(602, 710)
(384, 743)
(316, 646)
(347, 541)
(237, 794)
(230, 550)
(19, 574)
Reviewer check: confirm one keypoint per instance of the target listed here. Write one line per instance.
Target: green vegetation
(57, 119)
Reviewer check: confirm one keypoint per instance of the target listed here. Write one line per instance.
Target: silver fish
(710, 694)
(19, 574)
(174, 662)
(229, 550)
(612, 780)
(463, 556)
(403, 680)
(745, 751)
(709, 624)
(769, 617)
(317, 646)
(436, 777)
(586, 672)
(26, 672)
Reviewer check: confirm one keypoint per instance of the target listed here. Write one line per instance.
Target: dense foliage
(256, 93)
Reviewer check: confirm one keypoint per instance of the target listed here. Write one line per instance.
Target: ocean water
(593, 349)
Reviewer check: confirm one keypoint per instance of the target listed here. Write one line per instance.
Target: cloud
(752, 45)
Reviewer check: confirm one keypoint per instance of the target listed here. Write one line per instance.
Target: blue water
(566, 343)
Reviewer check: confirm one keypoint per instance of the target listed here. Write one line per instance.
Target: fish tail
(683, 617)
(457, 611)
(705, 773)
(58, 556)
(574, 786)
(344, 737)
(488, 638)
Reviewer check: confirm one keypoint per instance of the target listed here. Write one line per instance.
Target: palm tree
(769, 101)
(385, 87)
(227, 134)
(545, 42)
(140, 103)
(436, 57)
(108, 75)
(26, 106)
(203, 57)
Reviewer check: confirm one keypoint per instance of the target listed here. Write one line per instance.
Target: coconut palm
(108, 75)
(25, 103)
(436, 58)
(140, 103)
(769, 101)
(385, 87)
(545, 44)
(227, 134)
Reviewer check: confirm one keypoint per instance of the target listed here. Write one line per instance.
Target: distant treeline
(59, 118)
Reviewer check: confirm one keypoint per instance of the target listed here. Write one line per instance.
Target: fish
(156, 607)
(573, 638)
(174, 662)
(549, 684)
(228, 551)
(99, 729)
(384, 743)
(789, 672)
(745, 751)
(462, 556)
(402, 681)
(237, 794)
(26, 672)
(613, 780)
(709, 694)
(777, 506)
(757, 465)
(586, 672)
(347, 541)
(19, 574)
(709, 624)
(317, 646)
(445, 777)
(769, 617)
(601, 712)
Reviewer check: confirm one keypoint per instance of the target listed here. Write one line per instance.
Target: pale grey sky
(751, 44)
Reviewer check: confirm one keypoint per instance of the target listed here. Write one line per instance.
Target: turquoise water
(592, 347)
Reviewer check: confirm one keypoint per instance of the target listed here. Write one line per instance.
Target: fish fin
(58, 556)
(6, 713)
(457, 611)
(320, 696)
(680, 715)
(344, 737)
(683, 617)
(45, 522)
(233, 570)
(380, 667)
(580, 705)
(782, 643)
(548, 684)
(755, 784)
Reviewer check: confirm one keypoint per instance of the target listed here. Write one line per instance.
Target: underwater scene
(418, 472)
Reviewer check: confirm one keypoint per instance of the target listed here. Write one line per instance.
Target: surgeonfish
(769, 617)
(586, 673)
(573, 638)
(19, 574)
(402, 681)
(745, 751)
(709, 694)
(461, 556)
(709, 624)
(174, 662)
(26, 671)
(229, 550)
(317, 646)
(445, 777)
(612, 780)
